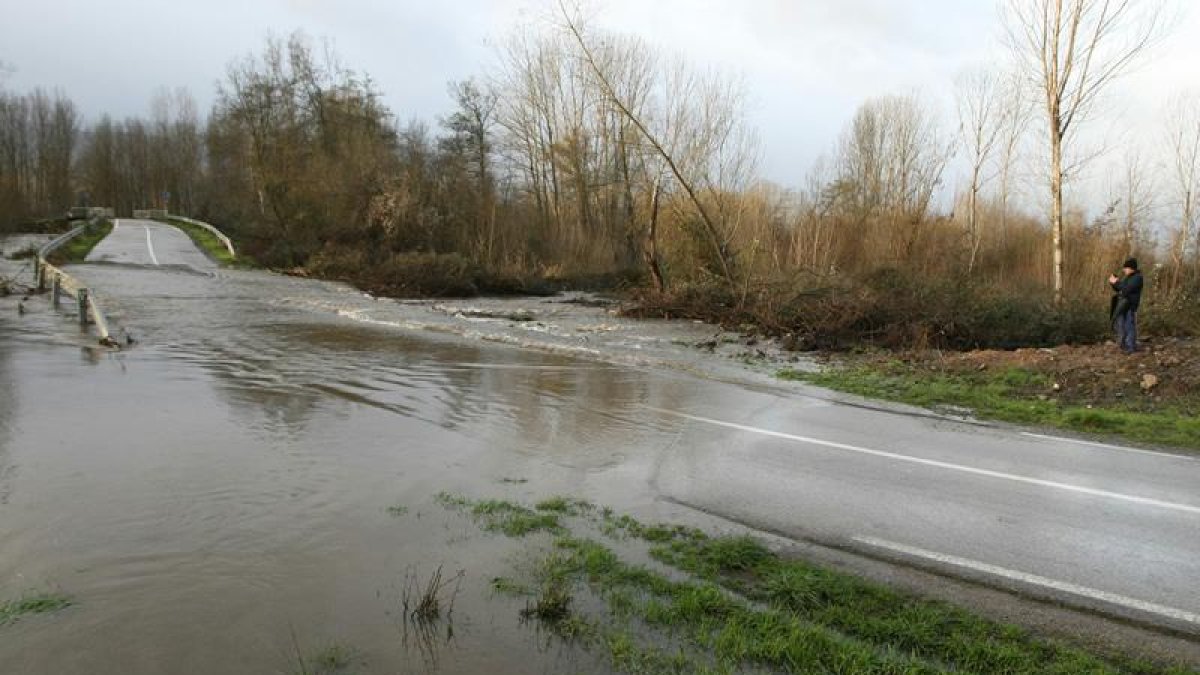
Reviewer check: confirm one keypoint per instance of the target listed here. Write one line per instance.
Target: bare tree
(981, 126)
(689, 140)
(1073, 50)
(1137, 198)
(891, 160)
(1183, 138)
(1018, 109)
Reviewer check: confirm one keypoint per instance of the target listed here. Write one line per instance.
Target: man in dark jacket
(1127, 298)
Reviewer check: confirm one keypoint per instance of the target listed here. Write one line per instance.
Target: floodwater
(214, 498)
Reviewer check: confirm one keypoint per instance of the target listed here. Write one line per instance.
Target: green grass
(37, 603)
(76, 250)
(336, 659)
(1009, 396)
(398, 510)
(209, 243)
(732, 604)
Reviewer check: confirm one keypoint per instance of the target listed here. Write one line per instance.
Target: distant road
(146, 242)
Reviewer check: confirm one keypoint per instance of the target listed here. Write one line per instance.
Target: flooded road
(216, 496)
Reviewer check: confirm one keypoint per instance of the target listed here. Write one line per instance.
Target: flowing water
(214, 497)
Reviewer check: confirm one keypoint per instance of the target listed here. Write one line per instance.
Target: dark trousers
(1126, 325)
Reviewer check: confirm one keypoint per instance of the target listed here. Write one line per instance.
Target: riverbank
(1148, 398)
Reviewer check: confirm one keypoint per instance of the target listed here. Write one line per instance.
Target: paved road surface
(1100, 525)
(146, 242)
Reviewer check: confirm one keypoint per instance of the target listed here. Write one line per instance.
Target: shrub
(438, 275)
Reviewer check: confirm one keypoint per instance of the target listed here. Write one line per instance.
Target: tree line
(589, 157)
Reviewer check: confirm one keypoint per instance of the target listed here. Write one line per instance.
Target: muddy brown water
(215, 497)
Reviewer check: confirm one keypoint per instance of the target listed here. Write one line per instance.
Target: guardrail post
(82, 295)
(38, 271)
(55, 290)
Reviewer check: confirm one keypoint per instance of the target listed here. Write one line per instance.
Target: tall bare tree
(1136, 197)
(1183, 138)
(1073, 50)
(981, 112)
(699, 123)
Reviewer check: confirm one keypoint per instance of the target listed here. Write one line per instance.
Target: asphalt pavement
(150, 243)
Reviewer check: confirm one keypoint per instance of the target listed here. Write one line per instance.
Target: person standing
(1127, 299)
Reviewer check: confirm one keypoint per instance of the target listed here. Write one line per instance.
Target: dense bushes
(891, 308)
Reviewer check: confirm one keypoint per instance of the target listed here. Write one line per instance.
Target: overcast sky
(807, 63)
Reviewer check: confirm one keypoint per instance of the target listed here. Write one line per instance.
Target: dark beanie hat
(1131, 263)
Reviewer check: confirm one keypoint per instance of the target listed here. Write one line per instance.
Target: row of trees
(587, 153)
(39, 136)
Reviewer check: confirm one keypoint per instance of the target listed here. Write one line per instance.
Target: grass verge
(209, 243)
(77, 249)
(725, 604)
(1008, 396)
(38, 603)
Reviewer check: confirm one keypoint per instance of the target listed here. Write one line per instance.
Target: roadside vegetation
(670, 599)
(76, 250)
(1152, 398)
(36, 603)
(209, 243)
(589, 159)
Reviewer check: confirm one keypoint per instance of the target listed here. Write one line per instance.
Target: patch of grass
(509, 586)
(76, 250)
(209, 243)
(335, 659)
(932, 631)
(743, 606)
(397, 510)
(563, 505)
(1013, 395)
(552, 604)
(507, 518)
(37, 603)
(425, 602)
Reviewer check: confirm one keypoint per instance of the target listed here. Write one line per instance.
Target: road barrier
(215, 232)
(150, 214)
(62, 284)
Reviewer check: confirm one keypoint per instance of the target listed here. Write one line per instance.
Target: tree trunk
(1056, 206)
(651, 252)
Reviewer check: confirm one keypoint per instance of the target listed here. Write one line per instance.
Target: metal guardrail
(215, 232)
(62, 284)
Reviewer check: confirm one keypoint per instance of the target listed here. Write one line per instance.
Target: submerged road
(147, 242)
(231, 474)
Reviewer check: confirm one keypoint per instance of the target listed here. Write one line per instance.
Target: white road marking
(1133, 499)
(1065, 587)
(1106, 446)
(150, 245)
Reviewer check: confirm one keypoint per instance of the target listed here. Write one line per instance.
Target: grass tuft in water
(335, 659)
(37, 603)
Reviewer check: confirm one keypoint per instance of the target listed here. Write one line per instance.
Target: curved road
(147, 242)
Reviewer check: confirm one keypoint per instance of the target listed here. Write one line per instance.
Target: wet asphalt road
(234, 468)
(146, 242)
